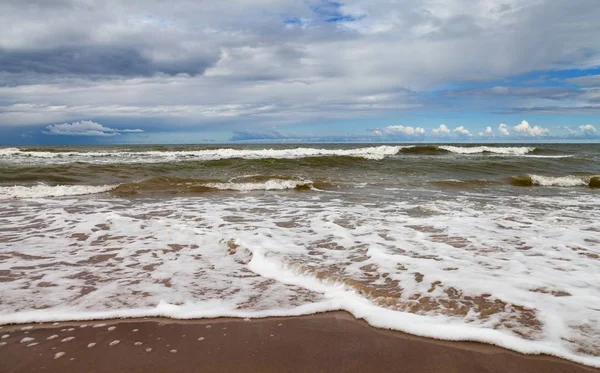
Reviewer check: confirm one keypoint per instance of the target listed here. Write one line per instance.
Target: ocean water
(498, 244)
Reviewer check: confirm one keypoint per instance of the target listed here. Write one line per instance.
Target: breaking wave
(445, 149)
(557, 181)
(43, 190)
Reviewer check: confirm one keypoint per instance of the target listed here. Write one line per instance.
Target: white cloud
(588, 130)
(409, 131)
(487, 133)
(441, 130)
(525, 128)
(85, 128)
(462, 131)
(503, 128)
(399, 132)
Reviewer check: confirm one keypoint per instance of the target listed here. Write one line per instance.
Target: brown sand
(331, 342)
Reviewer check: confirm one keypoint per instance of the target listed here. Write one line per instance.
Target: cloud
(588, 81)
(526, 129)
(399, 132)
(100, 61)
(408, 130)
(441, 130)
(487, 132)
(461, 131)
(246, 64)
(85, 128)
(588, 130)
(503, 128)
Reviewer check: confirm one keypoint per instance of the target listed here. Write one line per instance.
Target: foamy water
(468, 257)
(103, 157)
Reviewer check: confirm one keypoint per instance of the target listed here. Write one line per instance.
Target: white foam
(564, 181)
(59, 355)
(15, 155)
(9, 151)
(488, 149)
(27, 339)
(257, 256)
(273, 184)
(43, 190)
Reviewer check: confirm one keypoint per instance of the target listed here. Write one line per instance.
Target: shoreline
(325, 342)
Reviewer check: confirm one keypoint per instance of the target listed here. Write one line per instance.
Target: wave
(129, 156)
(172, 185)
(423, 150)
(43, 190)
(9, 151)
(445, 149)
(162, 185)
(559, 181)
(373, 153)
(488, 149)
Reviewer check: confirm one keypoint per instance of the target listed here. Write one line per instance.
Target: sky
(205, 71)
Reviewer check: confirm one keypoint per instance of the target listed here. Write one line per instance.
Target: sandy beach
(330, 342)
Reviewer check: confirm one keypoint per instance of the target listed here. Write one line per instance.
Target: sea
(497, 244)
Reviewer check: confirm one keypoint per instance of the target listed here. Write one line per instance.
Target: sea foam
(520, 272)
(104, 157)
(43, 190)
(488, 149)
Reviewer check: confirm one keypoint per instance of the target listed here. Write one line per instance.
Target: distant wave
(127, 156)
(445, 149)
(375, 152)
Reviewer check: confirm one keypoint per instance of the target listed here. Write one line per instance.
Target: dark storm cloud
(97, 60)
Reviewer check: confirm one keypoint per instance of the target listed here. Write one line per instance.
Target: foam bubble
(564, 181)
(273, 184)
(518, 271)
(43, 190)
(9, 151)
(488, 149)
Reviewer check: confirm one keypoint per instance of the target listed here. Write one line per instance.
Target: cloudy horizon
(111, 72)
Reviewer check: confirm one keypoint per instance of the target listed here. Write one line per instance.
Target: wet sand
(331, 342)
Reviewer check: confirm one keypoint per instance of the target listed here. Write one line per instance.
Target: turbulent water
(498, 244)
